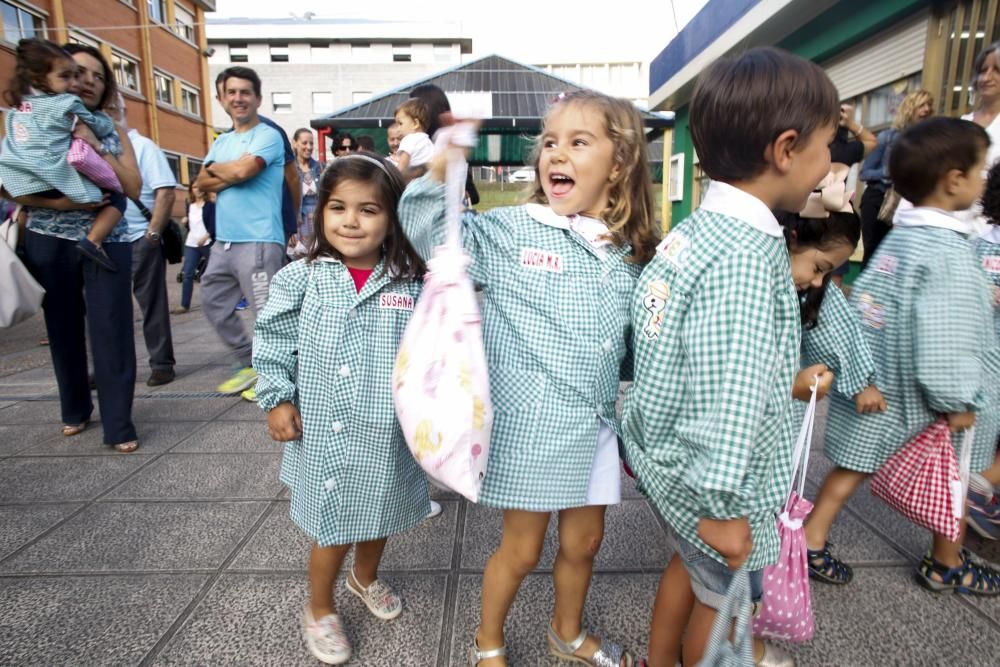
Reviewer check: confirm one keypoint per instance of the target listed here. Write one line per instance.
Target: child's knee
(583, 546)
(521, 555)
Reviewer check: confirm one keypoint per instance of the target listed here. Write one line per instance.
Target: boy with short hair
(926, 312)
(708, 425)
(415, 147)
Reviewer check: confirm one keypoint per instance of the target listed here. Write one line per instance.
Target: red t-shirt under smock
(360, 277)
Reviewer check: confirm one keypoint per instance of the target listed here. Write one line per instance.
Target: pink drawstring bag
(441, 382)
(86, 160)
(924, 481)
(786, 605)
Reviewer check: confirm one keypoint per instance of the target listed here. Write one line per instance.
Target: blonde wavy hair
(629, 214)
(908, 108)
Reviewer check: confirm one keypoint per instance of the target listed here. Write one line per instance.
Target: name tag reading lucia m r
(541, 260)
(394, 301)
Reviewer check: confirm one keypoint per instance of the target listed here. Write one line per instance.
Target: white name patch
(541, 260)
(394, 301)
(887, 264)
(992, 264)
(674, 249)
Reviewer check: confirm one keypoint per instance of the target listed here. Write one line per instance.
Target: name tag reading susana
(394, 301)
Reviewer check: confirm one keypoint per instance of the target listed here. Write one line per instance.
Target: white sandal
(608, 653)
(476, 654)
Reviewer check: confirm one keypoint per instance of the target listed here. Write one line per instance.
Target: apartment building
(311, 67)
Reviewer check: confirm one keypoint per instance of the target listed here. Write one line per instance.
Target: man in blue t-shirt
(291, 194)
(246, 168)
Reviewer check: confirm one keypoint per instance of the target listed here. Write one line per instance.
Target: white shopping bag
(440, 382)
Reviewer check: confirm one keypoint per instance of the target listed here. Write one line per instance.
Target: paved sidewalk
(183, 553)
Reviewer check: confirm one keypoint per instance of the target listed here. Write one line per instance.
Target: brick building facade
(157, 49)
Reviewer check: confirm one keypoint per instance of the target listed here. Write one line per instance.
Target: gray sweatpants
(236, 270)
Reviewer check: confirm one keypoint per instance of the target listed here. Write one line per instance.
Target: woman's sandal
(126, 447)
(824, 567)
(973, 577)
(608, 654)
(70, 430)
(476, 654)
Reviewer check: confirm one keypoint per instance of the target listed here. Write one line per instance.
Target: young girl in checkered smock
(324, 350)
(925, 310)
(556, 276)
(39, 130)
(984, 508)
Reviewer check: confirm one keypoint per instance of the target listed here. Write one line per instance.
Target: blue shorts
(710, 579)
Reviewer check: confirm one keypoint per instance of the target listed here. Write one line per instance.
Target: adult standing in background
(394, 137)
(343, 144)
(245, 167)
(149, 266)
(309, 172)
(875, 171)
(81, 296)
(290, 191)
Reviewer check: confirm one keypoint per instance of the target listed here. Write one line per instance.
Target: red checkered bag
(924, 481)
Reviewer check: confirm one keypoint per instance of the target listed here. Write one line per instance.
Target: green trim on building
(682, 144)
(842, 26)
(845, 24)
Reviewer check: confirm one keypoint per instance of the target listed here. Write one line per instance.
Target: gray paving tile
(25, 522)
(244, 411)
(618, 608)
(154, 438)
(32, 412)
(280, 545)
(123, 537)
(255, 619)
(16, 438)
(192, 377)
(205, 477)
(60, 478)
(231, 437)
(884, 618)
(100, 620)
(180, 409)
(633, 538)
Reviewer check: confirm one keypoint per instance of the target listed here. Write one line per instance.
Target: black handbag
(172, 239)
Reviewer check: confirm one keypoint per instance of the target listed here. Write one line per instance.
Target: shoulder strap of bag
(146, 213)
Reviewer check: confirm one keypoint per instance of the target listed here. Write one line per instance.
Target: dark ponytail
(821, 233)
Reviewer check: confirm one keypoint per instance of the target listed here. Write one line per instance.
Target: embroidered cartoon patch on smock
(991, 264)
(887, 264)
(655, 302)
(872, 314)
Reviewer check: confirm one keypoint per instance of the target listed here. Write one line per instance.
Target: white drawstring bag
(441, 382)
(20, 294)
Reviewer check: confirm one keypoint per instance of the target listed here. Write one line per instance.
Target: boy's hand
(802, 388)
(961, 421)
(870, 400)
(284, 422)
(730, 537)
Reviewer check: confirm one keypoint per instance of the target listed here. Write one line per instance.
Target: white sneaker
(435, 510)
(326, 638)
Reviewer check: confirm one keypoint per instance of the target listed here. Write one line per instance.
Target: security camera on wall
(209, 52)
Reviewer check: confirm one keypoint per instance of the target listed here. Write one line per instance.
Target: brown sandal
(127, 447)
(70, 430)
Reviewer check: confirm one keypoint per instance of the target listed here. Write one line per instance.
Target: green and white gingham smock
(838, 342)
(39, 132)
(987, 249)
(555, 324)
(330, 350)
(925, 311)
(708, 423)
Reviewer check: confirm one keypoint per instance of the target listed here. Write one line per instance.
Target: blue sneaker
(243, 304)
(984, 515)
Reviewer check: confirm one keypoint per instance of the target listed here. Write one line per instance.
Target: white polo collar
(590, 230)
(725, 199)
(992, 234)
(924, 216)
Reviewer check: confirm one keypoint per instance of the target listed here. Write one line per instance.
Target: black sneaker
(96, 254)
(161, 376)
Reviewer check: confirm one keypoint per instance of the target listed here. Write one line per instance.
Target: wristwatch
(153, 236)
